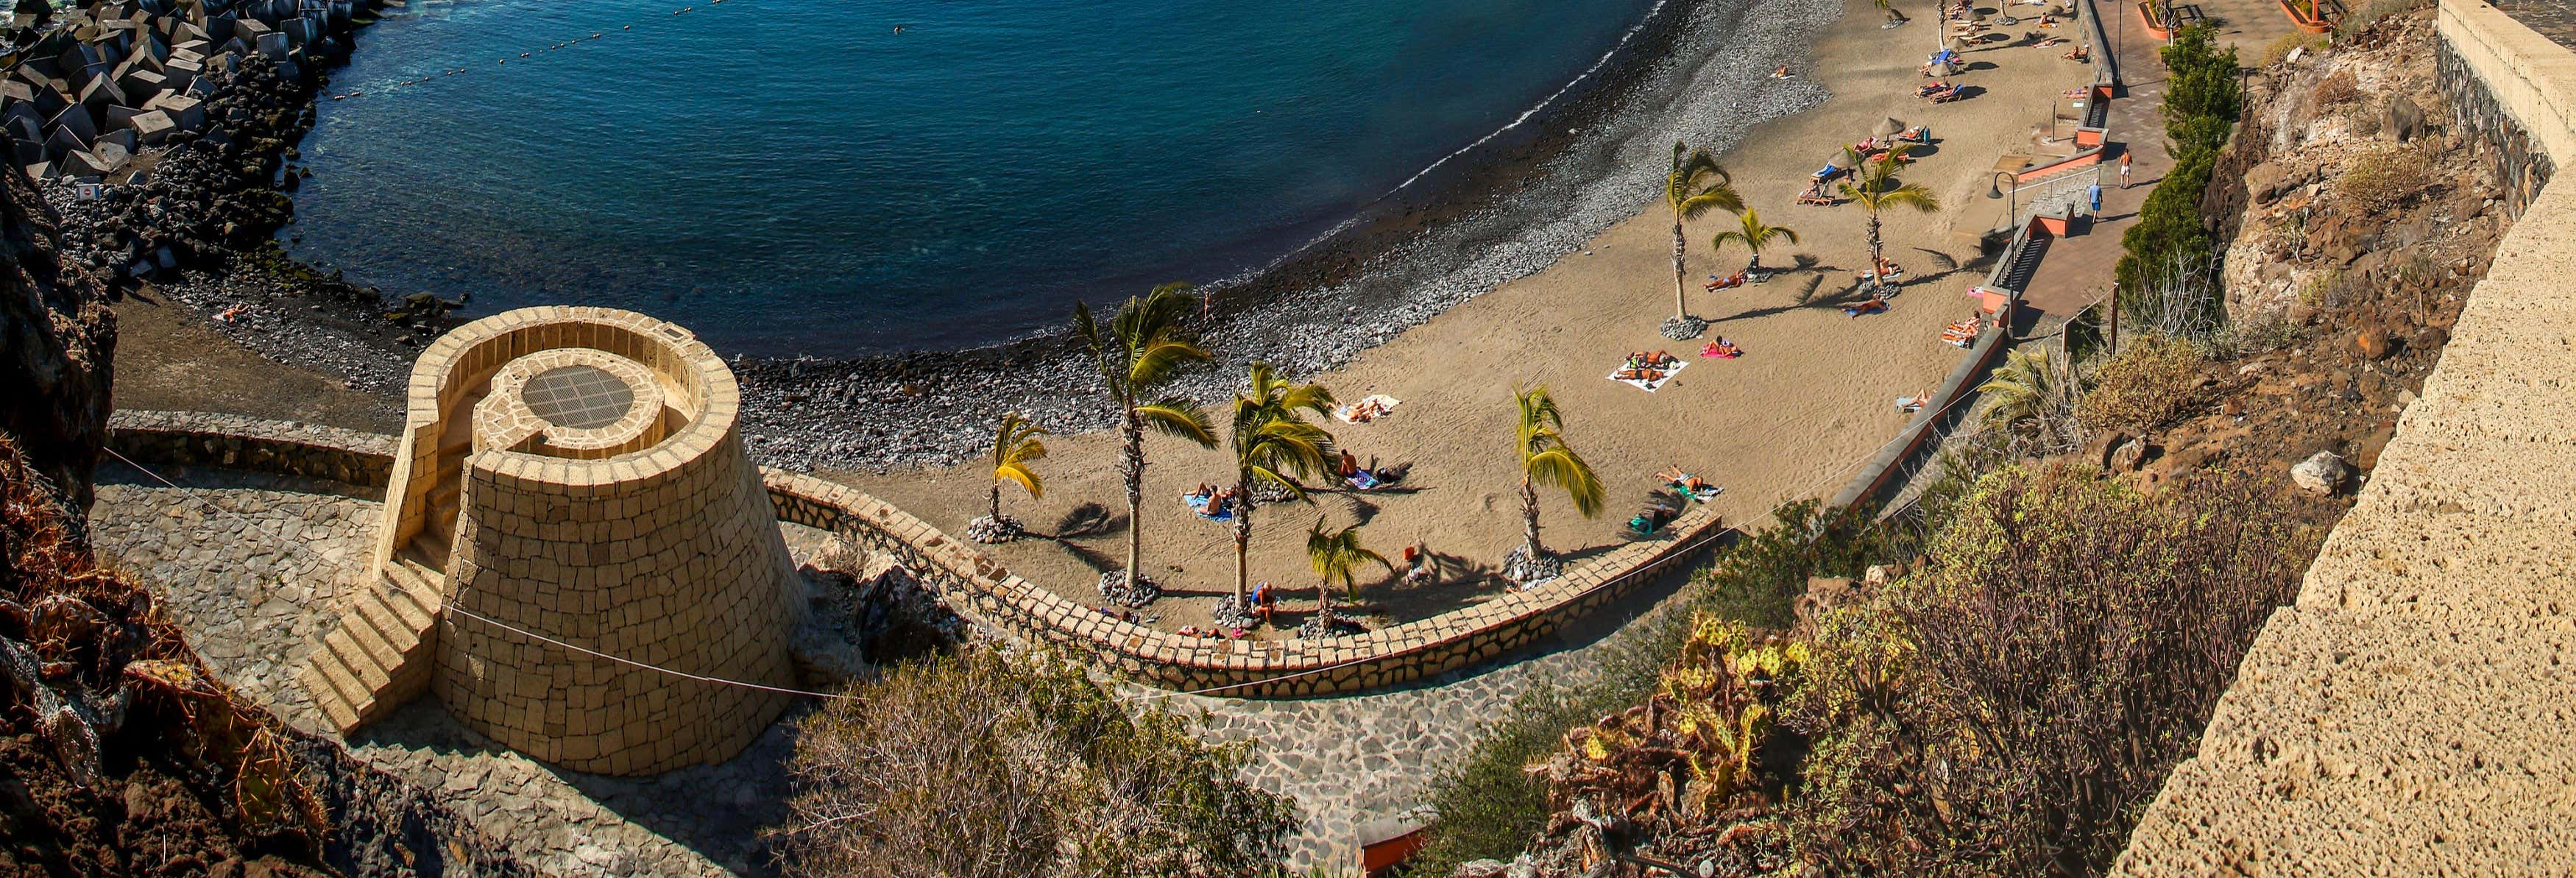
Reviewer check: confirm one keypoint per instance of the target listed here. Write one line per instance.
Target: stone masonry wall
(2414, 712)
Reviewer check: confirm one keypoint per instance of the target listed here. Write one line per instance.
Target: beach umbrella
(1889, 125)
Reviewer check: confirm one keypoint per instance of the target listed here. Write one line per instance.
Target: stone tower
(571, 485)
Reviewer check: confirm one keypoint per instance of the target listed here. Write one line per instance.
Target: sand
(1812, 398)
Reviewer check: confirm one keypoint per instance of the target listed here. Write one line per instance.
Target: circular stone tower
(576, 474)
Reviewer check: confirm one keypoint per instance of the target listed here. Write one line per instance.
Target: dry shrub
(2279, 50)
(2012, 709)
(2338, 88)
(2382, 180)
(2152, 380)
(992, 764)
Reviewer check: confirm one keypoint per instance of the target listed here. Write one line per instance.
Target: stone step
(378, 658)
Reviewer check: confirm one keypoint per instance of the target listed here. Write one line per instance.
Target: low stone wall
(2410, 713)
(981, 588)
(207, 439)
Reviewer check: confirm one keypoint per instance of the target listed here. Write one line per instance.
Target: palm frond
(1559, 467)
(1015, 440)
(1913, 195)
(1020, 473)
(1698, 184)
(1177, 416)
(1337, 555)
(1156, 360)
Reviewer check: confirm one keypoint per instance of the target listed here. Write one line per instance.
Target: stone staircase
(380, 656)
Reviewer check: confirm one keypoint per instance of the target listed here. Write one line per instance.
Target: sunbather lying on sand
(1683, 480)
(1721, 349)
(1906, 405)
(1873, 306)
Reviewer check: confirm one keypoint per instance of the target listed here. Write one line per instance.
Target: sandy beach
(1812, 397)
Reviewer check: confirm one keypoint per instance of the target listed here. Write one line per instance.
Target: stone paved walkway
(250, 584)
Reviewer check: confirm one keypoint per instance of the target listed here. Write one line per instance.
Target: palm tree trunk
(1529, 519)
(1133, 463)
(1877, 267)
(1681, 306)
(996, 512)
(1242, 540)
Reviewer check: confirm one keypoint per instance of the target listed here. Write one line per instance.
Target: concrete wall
(2414, 712)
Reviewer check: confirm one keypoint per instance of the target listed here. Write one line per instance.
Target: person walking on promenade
(2124, 169)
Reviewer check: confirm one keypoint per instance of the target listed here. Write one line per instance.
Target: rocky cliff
(57, 343)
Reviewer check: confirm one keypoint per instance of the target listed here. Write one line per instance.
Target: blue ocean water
(795, 176)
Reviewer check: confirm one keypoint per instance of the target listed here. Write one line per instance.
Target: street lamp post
(2005, 185)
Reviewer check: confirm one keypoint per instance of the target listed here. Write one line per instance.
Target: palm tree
(1141, 349)
(1547, 460)
(1754, 235)
(2031, 401)
(1015, 446)
(1697, 185)
(1338, 555)
(1873, 192)
(1271, 443)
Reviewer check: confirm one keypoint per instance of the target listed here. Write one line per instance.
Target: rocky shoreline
(1695, 70)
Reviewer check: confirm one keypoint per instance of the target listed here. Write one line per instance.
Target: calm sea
(798, 176)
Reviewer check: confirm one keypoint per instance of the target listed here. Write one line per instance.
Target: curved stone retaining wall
(1415, 650)
(994, 596)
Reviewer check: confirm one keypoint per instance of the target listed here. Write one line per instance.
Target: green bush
(2203, 98)
(992, 764)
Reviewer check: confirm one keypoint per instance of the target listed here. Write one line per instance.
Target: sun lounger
(1654, 379)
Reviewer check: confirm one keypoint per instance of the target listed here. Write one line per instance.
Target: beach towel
(1911, 404)
(1650, 386)
(1363, 480)
(1713, 352)
(1872, 306)
(1198, 503)
(1368, 408)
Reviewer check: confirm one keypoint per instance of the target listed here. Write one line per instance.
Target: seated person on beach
(1348, 466)
(1265, 601)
